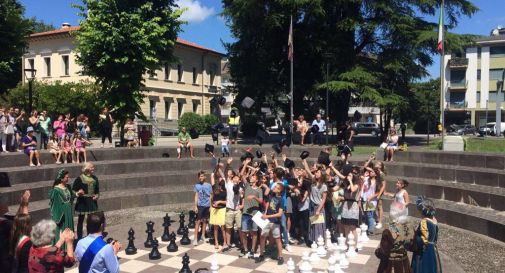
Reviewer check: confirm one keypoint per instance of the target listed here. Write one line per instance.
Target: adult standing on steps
(106, 121)
(61, 197)
(86, 203)
(234, 123)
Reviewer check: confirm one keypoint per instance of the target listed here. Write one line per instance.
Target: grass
(359, 150)
(485, 144)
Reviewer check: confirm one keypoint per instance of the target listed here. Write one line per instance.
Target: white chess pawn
(291, 266)
(214, 266)
(351, 250)
(313, 247)
(364, 238)
(321, 251)
(333, 267)
(305, 266)
(314, 258)
(344, 263)
(336, 253)
(341, 242)
(329, 244)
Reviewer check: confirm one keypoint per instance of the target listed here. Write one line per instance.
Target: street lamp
(327, 57)
(30, 76)
(499, 89)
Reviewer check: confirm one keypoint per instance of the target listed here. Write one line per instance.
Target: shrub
(209, 120)
(192, 120)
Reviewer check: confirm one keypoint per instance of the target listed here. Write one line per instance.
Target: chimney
(65, 25)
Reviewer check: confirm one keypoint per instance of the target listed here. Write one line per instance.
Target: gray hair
(87, 166)
(43, 233)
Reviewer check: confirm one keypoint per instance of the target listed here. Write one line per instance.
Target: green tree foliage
(209, 120)
(119, 41)
(13, 31)
(424, 105)
(40, 26)
(192, 120)
(60, 98)
(375, 49)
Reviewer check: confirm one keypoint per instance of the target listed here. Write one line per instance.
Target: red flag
(440, 43)
(290, 41)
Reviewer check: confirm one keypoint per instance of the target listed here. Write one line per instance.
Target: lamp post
(30, 76)
(499, 89)
(327, 57)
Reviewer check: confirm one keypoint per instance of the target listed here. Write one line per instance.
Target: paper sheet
(317, 219)
(262, 223)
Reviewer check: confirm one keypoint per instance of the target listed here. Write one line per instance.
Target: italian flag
(290, 41)
(440, 44)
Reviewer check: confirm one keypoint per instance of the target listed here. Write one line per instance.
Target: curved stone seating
(468, 188)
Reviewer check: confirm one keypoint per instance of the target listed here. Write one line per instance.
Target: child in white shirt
(225, 150)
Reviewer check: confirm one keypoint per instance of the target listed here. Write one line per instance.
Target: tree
(119, 41)
(40, 26)
(14, 29)
(424, 105)
(377, 49)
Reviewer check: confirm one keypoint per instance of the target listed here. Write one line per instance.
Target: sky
(205, 26)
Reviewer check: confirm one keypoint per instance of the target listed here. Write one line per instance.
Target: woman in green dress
(86, 203)
(61, 198)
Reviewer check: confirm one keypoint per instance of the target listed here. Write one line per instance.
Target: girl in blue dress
(425, 258)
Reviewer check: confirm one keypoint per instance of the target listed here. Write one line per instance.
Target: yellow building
(186, 86)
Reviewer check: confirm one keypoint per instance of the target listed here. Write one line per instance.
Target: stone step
(461, 174)
(475, 195)
(123, 199)
(468, 159)
(39, 190)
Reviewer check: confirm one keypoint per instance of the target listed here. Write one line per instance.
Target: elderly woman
(425, 258)
(87, 183)
(61, 198)
(29, 144)
(301, 128)
(396, 240)
(46, 257)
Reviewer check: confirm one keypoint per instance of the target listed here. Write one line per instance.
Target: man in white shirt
(317, 138)
(93, 253)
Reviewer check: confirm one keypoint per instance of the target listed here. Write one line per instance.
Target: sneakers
(243, 253)
(280, 261)
(288, 249)
(226, 249)
(379, 225)
(260, 259)
(291, 240)
(195, 242)
(206, 240)
(252, 255)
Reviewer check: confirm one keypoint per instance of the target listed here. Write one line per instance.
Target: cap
(314, 129)
(288, 163)
(324, 158)
(277, 148)
(29, 129)
(304, 155)
(259, 153)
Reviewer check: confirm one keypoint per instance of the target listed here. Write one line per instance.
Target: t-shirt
(321, 124)
(306, 184)
(225, 141)
(183, 136)
(316, 193)
(274, 204)
(283, 194)
(44, 124)
(232, 199)
(251, 206)
(27, 140)
(204, 191)
(220, 196)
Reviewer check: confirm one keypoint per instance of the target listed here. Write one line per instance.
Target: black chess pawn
(180, 230)
(155, 253)
(192, 218)
(131, 249)
(166, 233)
(185, 237)
(210, 234)
(185, 264)
(172, 246)
(150, 230)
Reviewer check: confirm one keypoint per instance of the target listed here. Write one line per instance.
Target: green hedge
(201, 123)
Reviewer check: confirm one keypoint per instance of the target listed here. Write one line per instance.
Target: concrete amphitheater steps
(461, 174)
(40, 189)
(471, 194)
(479, 160)
(125, 199)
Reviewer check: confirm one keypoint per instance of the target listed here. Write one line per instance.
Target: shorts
(248, 224)
(233, 216)
(79, 150)
(203, 213)
(217, 216)
(274, 228)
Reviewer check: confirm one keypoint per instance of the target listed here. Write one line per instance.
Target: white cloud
(194, 10)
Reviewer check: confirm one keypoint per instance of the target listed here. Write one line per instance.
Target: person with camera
(234, 123)
(92, 252)
(183, 137)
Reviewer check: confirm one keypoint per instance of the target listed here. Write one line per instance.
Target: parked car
(371, 128)
(490, 129)
(465, 129)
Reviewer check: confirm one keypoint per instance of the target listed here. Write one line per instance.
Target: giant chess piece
(131, 249)
(150, 230)
(329, 244)
(214, 267)
(166, 233)
(351, 250)
(172, 246)
(364, 237)
(291, 266)
(321, 251)
(155, 254)
(359, 245)
(180, 230)
(333, 267)
(185, 237)
(192, 218)
(341, 242)
(305, 265)
(185, 264)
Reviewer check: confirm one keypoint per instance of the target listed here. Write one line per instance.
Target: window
(479, 52)
(212, 76)
(152, 109)
(195, 105)
(495, 74)
(31, 63)
(457, 99)
(167, 72)
(458, 77)
(478, 96)
(64, 59)
(195, 76)
(179, 72)
(47, 62)
(497, 52)
(478, 74)
(168, 104)
(152, 74)
(180, 106)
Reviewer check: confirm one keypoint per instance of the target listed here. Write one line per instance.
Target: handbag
(383, 145)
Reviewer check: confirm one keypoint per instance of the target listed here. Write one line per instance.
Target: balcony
(455, 105)
(458, 85)
(458, 63)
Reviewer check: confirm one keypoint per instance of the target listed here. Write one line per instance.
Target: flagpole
(442, 79)
(291, 82)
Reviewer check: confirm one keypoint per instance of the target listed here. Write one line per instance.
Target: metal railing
(458, 85)
(458, 62)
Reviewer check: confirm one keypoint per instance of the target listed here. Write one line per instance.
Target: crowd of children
(299, 202)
